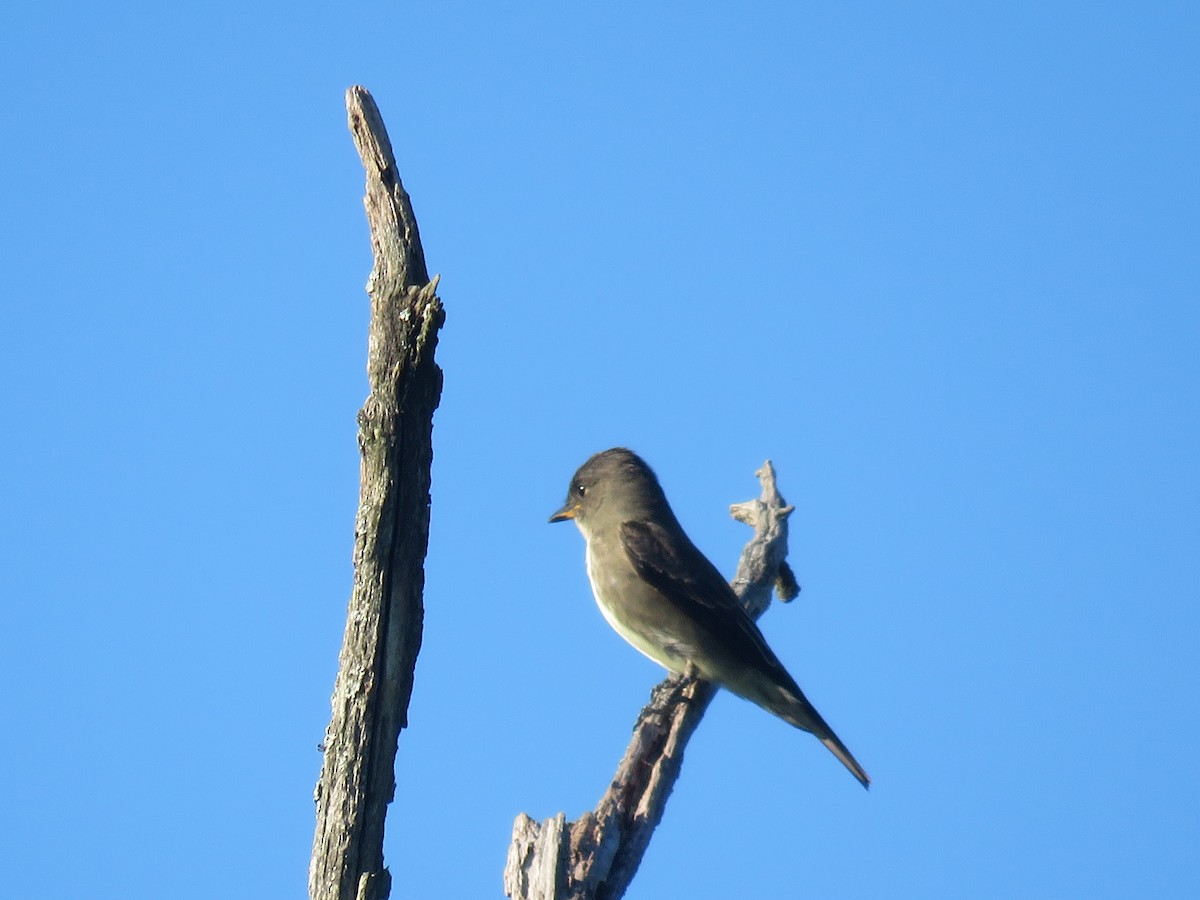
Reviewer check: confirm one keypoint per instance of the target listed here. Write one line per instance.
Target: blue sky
(938, 263)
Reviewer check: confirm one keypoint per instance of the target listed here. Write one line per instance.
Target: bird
(663, 596)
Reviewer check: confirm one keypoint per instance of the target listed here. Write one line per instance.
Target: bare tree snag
(391, 534)
(596, 857)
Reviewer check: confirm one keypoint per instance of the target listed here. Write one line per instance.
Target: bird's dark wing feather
(684, 575)
(669, 562)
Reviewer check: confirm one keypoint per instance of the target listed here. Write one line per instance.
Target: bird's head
(615, 483)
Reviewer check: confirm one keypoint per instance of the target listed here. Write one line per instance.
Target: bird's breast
(617, 589)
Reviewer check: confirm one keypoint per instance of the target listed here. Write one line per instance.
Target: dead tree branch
(391, 534)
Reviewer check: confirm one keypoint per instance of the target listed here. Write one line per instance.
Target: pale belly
(652, 645)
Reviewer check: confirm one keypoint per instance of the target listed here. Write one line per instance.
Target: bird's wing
(684, 575)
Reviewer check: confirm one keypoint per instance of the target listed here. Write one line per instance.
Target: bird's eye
(580, 490)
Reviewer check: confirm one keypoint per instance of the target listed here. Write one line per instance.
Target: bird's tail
(795, 709)
(838, 749)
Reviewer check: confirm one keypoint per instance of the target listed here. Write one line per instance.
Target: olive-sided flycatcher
(666, 599)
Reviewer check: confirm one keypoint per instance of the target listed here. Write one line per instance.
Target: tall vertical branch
(391, 534)
(596, 857)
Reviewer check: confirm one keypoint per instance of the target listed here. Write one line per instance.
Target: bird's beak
(567, 512)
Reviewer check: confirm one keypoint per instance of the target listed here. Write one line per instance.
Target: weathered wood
(596, 857)
(391, 534)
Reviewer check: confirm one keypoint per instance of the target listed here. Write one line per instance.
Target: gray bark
(391, 534)
(596, 857)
